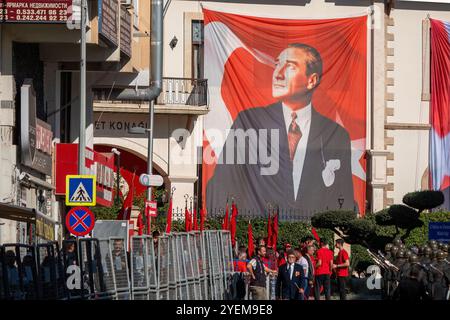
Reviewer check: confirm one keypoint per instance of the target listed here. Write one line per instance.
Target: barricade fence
(177, 266)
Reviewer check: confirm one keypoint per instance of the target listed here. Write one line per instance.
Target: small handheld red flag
(275, 231)
(269, 232)
(234, 213)
(195, 227)
(225, 220)
(202, 218)
(125, 211)
(316, 236)
(140, 225)
(169, 217)
(187, 220)
(250, 244)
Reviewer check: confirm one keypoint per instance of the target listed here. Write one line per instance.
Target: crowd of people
(301, 273)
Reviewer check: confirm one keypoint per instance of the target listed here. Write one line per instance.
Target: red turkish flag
(140, 225)
(234, 213)
(250, 244)
(316, 236)
(125, 211)
(187, 220)
(169, 217)
(269, 231)
(195, 226)
(225, 220)
(202, 218)
(275, 231)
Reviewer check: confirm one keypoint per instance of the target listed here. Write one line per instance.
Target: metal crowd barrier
(166, 270)
(188, 266)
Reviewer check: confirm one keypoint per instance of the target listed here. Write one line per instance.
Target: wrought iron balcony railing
(175, 91)
(184, 91)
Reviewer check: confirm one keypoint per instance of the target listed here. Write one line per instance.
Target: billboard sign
(35, 11)
(35, 135)
(98, 164)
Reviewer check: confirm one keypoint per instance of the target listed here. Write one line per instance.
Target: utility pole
(82, 134)
(155, 80)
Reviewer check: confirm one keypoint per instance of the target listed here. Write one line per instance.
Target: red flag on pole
(140, 225)
(225, 220)
(187, 220)
(234, 213)
(250, 244)
(269, 232)
(169, 217)
(195, 226)
(125, 211)
(316, 236)
(275, 231)
(202, 218)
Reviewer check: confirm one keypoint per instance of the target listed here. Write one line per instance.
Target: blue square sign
(80, 190)
(439, 231)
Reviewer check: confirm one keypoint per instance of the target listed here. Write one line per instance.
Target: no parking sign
(80, 221)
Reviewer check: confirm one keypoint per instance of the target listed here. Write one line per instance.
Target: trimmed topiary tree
(424, 200)
(400, 217)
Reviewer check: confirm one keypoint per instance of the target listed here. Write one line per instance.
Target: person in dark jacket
(410, 288)
(309, 256)
(290, 281)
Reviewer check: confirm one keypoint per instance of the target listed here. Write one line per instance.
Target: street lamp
(117, 156)
(140, 130)
(341, 201)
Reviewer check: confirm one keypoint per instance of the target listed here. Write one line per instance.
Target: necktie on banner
(440, 108)
(250, 244)
(294, 136)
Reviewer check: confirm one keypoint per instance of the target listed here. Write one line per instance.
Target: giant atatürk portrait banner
(287, 119)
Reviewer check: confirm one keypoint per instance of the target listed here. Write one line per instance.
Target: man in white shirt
(303, 262)
(314, 154)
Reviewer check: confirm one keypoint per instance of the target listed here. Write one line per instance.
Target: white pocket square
(328, 175)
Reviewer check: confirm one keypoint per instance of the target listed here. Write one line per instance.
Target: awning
(23, 214)
(45, 226)
(12, 212)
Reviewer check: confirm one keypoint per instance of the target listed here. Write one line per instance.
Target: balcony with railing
(184, 91)
(178, 95)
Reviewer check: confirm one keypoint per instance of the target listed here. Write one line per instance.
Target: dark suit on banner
(326, 141)
(287, 288)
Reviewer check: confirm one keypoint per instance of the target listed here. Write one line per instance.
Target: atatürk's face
(289, 81)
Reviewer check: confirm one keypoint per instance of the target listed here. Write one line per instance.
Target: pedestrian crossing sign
(80, 190)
